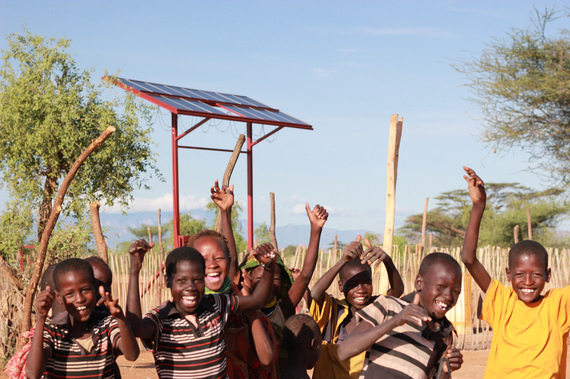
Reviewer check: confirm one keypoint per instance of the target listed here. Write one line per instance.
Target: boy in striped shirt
(186, 333)
(411, 337)
(79, 342)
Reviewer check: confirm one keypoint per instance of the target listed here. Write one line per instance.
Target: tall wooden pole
(424, 224)
(272, 226)
(529, 222)
(392, 176)
(97, 231)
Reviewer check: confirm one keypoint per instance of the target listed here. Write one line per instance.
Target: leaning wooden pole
(272, 226)
(392, 177)
(529, 222)
(424, 224)
(26, 322)
(97, 231)
(516, 233)
(229, 170)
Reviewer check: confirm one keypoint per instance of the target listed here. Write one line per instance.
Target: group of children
(238, 319)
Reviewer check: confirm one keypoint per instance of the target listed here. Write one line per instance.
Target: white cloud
(164, 202)
(298, 209)
(322, 73)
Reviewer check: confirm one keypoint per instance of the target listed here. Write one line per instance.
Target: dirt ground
(143, 368)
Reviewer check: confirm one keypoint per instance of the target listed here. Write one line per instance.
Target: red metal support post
(175, 189)
(249, 186)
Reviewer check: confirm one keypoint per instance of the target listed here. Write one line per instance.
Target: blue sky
(342, 66)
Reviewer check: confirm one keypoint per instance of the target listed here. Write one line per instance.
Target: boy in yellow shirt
(530, 330)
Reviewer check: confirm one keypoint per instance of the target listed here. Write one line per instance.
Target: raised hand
(413, 313)
(353, 250)
(264, 253)
(318, 216)
(137, 251)
(373, 255)
(223, 197)
(44, 302)
(112, 305)
(475, 185)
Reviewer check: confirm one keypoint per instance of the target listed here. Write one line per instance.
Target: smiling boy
(186, 333)
(530, 330)
(335, 317)
(410, 337)
(78, 341)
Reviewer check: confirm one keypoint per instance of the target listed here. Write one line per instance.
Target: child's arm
(224, 199)
(318, 216)
(469, 251)
(262, 342)
(127, 343)
(141, 328)
(365, 334)
(37, 357)
(374, 255)
(266, 255)
(351, 251)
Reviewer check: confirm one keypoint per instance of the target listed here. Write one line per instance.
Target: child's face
(356, 284)
(439, 289)
(217, 268)
(77, 294)
(187, 287)
(528, 277)
(256, 274)
(103, 276)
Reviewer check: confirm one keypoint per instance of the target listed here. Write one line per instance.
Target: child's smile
(439, 289)
(77, 294)
(187, 286)
(528, 277)
(216, 261)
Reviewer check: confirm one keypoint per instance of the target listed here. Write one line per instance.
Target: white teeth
(81, 308)
(214, 274)
(189, 297)
(442, 305)
(527, 290)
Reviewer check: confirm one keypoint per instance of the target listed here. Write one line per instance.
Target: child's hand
(318, 216)
(265, 253)
(246, 283)
(455, 359)
(353, 250)
(413, 313)
(137, 251)
(223, 197)
(112, 305)
(44, 302)
(373, 255)
(475, 185)
(295, 273)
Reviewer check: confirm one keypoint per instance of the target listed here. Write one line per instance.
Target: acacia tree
(521, 83)
(507, 205)
(49, 112)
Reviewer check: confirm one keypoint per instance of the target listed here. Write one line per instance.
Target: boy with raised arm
(335, 317)
(530, 330)
(186, 330)
(410, 337)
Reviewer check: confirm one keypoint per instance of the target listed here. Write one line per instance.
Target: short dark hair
(210, 233)
(353, 263)
(434, 258)
(73, 264)
(528, 247)
(184, 253)
(299, 330)
(98, 261)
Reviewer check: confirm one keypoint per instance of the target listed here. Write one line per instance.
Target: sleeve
(152, 343)
(374, 313)
(113, 333)
(495, 302)
(560, 307)
(322, 313)
(48, 335)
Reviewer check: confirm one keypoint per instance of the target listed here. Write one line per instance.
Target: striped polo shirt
(68, 359)
(183, 351)
(407, 351)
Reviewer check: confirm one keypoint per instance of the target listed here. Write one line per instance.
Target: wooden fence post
(272, 222)
(528, 220)
(424, 224)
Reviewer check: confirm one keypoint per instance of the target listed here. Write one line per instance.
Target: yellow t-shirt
(529, 340)
(329, 366)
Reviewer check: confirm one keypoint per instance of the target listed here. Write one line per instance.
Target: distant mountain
(117, 228)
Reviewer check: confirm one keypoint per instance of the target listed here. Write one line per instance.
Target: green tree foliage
(521, 83)
(142, 231)
(507, 205)
(237, 209)
(188, 225)
(373, 238)
(262, 234)
(16, 225)
(49, 113)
